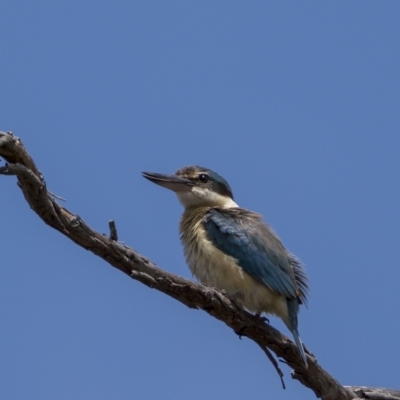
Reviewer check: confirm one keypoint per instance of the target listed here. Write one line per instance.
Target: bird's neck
(201, 199)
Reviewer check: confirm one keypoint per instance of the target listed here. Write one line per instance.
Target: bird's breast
(207, 263)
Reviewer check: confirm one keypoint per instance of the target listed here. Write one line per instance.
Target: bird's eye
(203, 178)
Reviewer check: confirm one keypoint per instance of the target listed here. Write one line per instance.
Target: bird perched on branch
(232, 249)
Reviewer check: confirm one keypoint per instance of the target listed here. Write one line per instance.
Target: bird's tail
(293, 308)
(300, 346)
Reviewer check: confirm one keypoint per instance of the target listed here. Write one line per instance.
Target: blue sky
(295, 103)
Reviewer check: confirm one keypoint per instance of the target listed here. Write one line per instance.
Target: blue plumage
(242, 234)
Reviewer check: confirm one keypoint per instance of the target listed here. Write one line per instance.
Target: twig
(274, 363)
(113, 230)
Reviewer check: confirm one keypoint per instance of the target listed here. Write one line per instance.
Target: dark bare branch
(143, 270)
(113, 230)
(274, 363)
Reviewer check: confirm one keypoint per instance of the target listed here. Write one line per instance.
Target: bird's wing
(244, 236)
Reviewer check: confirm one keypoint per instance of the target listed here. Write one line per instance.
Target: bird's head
(196, 187)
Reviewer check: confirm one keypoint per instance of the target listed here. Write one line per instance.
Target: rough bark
(194, 295)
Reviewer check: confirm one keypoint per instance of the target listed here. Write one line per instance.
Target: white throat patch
(202, 197)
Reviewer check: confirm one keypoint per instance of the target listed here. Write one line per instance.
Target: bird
(232, 249)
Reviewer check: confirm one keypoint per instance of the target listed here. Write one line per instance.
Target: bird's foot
(263, 319)
(241, 332)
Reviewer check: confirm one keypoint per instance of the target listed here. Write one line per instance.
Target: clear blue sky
(295, 103)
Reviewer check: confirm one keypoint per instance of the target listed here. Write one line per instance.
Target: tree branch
(192, 294)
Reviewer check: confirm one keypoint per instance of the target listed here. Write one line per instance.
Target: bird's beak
(171, 182)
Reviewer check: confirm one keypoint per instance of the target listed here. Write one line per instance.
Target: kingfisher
(234, 250)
